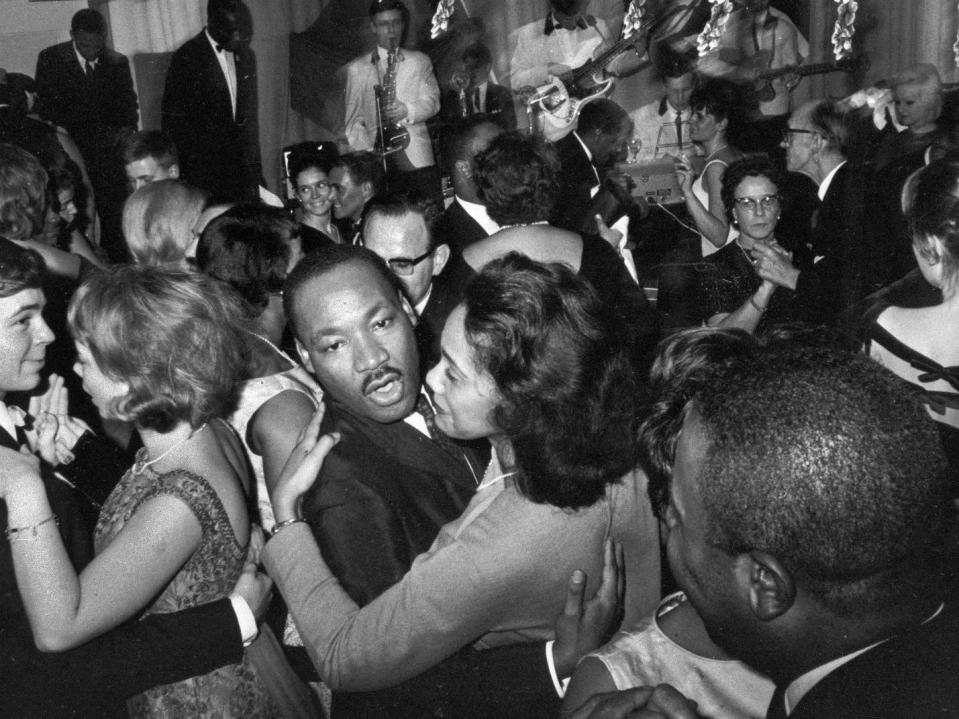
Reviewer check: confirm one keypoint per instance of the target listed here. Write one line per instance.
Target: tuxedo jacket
(95, 678)
(218, 152)
(96, 109)
(577, 178)
(457, 229)
(910, 676)
(840, 271)
(447, 292)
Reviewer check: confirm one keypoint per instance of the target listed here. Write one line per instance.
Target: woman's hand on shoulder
(300, 470)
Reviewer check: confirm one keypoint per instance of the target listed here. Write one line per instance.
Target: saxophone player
(390, 94)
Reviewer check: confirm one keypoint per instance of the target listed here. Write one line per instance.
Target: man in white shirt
(662, 126)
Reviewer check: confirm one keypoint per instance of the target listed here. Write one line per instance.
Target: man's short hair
(673, 64)
(149, 143)
(459, 139)
(88, 20)
(829, 120)
(824, 459)
(476, 55)
(378, 6)
(603, 115)
(365, 166)
(399, 204)
(326, 259)
(20, 269)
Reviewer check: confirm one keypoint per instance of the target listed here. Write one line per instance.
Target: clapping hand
(775, 265)
(55, 433)
(685, 174)
(660, 702)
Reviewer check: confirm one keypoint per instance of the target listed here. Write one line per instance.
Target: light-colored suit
(416, 87)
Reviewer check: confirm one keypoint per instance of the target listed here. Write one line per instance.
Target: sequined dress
(210, 573)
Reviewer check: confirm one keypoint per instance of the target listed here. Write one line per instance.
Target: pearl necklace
(140, 464)
(276, 349)
(710, 155)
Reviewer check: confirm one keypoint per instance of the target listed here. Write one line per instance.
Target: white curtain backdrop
(148, 31)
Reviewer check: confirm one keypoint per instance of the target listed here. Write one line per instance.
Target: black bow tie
(221, 48)
(581, 23)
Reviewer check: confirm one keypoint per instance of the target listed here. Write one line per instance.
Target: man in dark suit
(86, 88)
(479, 96)
(399, 228)
(836, 270)
(585, 155)
(95, 678)
(209, 106)
(391, 483)
(466, 221)
(815, 549)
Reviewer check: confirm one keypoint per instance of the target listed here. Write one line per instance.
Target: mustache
(377, 375)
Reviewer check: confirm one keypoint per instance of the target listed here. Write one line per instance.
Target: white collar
(478, 212)
(583, 145)
(10, 418)
(827, 181)
(494, 472)
(82, 60)
(421, 305)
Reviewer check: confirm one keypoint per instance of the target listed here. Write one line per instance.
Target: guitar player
(566, 39)
(415, 94)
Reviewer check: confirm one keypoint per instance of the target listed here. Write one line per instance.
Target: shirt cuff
(558, 684)
(249, 629)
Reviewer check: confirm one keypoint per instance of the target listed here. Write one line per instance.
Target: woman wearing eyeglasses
(311, 183)
(732, 294)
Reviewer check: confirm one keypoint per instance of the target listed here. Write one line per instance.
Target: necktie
(777, 705)
(88, 68)
(679, 129)
(476, 100)
(425, 409)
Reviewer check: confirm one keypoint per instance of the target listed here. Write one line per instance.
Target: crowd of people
(548, 448)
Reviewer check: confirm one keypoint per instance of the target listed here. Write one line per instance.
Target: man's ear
(441, 255)
(772, 590)
(366, 189)
(174, 171)
(304, 356)
(408, 309)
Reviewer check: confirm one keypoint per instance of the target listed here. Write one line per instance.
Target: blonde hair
(158, 222)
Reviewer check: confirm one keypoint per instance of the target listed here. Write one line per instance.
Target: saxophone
(390, 136)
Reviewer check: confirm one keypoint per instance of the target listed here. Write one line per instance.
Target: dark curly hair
(517, 178)
(20, 269)
(248, 247)
(933, 211)
(724, 100)
(749, 166)
(569, 394)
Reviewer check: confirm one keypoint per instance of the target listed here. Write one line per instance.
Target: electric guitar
(565, 95)
(765, 92)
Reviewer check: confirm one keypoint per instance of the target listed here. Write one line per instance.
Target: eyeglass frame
(751, 204)
(797, 131)
(409, 262)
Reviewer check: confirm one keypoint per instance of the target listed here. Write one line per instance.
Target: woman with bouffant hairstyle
(159, 348)
(159, 222)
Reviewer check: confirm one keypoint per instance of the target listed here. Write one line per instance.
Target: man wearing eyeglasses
(837, 273)
(399, 228)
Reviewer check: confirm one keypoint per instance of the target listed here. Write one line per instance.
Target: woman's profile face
(104, 391)
(702, 125)
(464, 395)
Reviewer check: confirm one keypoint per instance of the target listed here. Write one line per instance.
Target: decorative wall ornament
(955, 46)
(708, 39)
(441, 18)
(844, 28)
(634, 17)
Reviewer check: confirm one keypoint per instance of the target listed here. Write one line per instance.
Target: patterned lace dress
(231, 691)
